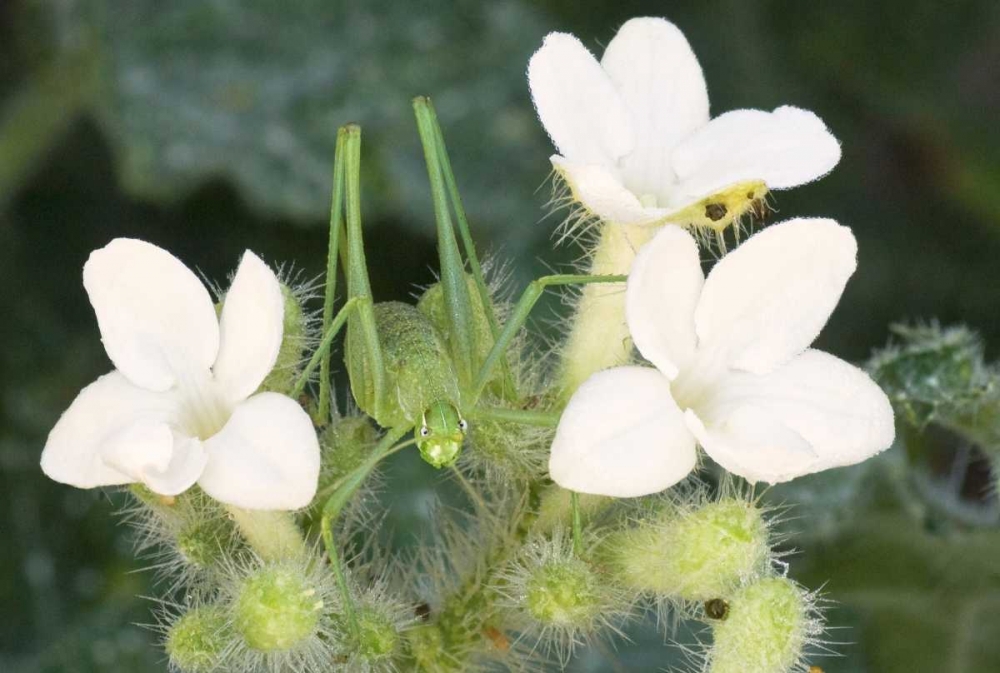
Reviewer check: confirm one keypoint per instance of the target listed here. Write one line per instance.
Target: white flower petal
(251, 326)
(577, 103)
(603, 194)
(104, 409)
(752, 444)
(663, 290)
(187, 462)
(767, 301)
(661, 83)
(149, 452)
(833, 406)
(266, 457)
(784, 148)
(622, 435)
(153, 313)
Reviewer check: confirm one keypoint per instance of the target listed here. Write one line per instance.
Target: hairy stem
(273, 535)
(599, 337)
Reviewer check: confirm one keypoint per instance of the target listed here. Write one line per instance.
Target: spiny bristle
(577, 221)
(555, 601)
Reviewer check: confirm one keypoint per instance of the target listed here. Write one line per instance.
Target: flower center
(204, 408)
(696, 386)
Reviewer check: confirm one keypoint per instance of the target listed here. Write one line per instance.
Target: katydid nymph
(421, 387)
(423, 368)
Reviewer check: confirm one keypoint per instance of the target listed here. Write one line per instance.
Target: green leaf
(254, 92)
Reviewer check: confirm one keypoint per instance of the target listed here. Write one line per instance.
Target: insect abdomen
(418, 369)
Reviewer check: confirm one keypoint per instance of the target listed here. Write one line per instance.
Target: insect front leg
(519, 316)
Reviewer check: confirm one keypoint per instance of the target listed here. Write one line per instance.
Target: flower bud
(204, 543)
(563, 593)
(427, 647)
(377, 636)
(380, 617)
(695, 555)
(344, 445)
(294, 339)
(277, 608)
(198, 639)
(933, 373)
(507, 451)
(553, 593)
(768, 625)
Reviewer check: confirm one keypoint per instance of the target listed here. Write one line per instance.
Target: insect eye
(424, 432)
(463, 425)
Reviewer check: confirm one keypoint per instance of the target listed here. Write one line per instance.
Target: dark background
(208, 127)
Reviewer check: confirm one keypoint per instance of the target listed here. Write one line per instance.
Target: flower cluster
(195, 412)
(733, 368)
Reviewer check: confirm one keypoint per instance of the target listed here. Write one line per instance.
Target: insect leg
(363, 325)
(456, 290)
(462, 220)
(520, 315)
(333, 252)
(335, 504)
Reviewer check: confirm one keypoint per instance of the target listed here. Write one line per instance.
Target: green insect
(421, 386)
(424, 368)
(427, 368)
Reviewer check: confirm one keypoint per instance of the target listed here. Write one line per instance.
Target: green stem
(332, 252)
(273, 535)
(333, 507)
(321, 354)
(470, 492)
(543, 419)
(599, 337)
(520, 314)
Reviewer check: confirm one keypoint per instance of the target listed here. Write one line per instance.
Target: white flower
(635, 142)
(734, 370)
(180, 406)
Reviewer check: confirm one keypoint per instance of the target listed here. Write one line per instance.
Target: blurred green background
(207, 127)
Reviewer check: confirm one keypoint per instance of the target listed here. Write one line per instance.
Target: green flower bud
(427, 648)
(277, 608)
(294, 339)
(344, 445)
(203, 543)
(563, 593)
(555, 508)
(555, 596)
(377, 636)
(508, 451)
(697, 555)
(933, 373)
(198, 639)
(767, 626)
